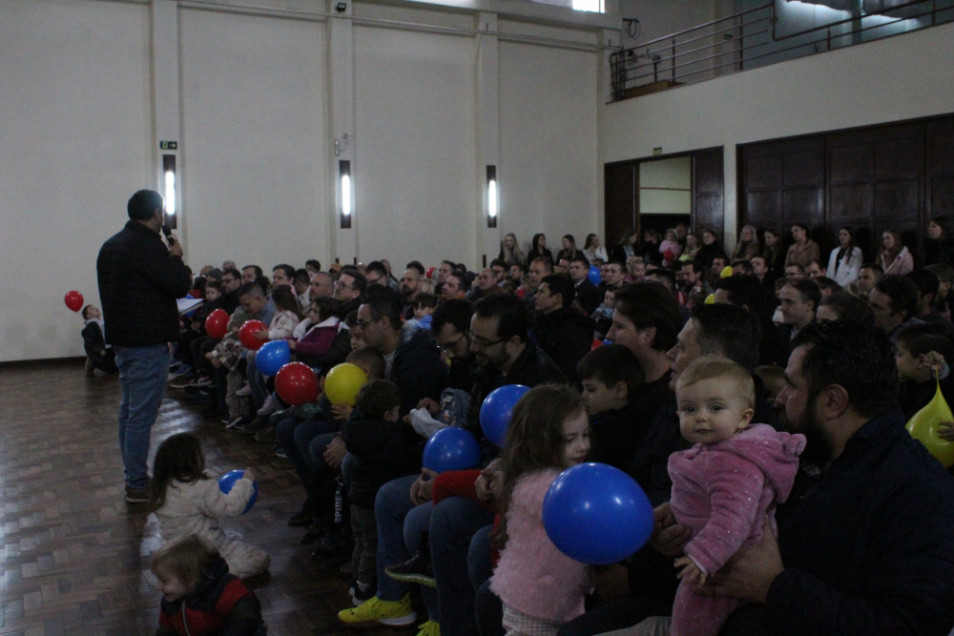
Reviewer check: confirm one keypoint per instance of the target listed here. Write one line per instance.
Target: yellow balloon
(710, 299)
(726, 272)
(923, 427)
(343, 383)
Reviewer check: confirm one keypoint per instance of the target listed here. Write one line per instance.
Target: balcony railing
(754, 38)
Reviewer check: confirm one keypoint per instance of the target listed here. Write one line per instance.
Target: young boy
(99, 355)
(610, 375)
(603, 315)
(725, 486)
(199, 596)
(921, 351)
(375, 439)
(424, 306)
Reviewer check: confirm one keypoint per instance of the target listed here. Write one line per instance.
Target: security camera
(341, 7)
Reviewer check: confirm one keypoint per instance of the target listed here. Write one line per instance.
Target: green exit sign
(168, 145)
(657, 150)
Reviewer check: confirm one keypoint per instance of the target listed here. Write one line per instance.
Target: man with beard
(866, 542)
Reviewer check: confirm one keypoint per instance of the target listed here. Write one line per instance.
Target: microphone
(168, 234)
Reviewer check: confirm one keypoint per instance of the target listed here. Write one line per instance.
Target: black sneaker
(302, 517)
(417, 569)
(137, 495)
(256, 425)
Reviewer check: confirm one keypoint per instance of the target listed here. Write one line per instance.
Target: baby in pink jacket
(726, 485)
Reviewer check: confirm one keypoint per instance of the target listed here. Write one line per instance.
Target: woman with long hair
(895, 259)
(748, 244)
(939, 248)
(510, 252)
(627, 247)
(538, 249)
(569, 250)
(845, 261)
(803, 249)
(593, 250)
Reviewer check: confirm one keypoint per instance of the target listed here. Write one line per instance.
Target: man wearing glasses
(349, 288)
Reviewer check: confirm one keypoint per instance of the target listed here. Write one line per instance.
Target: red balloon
(296, 384)
(73, 300)
(216, 324)
(596, 344)
(430, 272)
(247, 334)
(669, 256)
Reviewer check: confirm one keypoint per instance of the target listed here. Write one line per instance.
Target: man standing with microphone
(140, 278)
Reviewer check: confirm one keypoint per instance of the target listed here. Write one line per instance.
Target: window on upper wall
(595, 6)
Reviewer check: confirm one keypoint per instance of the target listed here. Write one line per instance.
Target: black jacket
(139, 282)
(566, 335)
(588, 295)
(380, 453)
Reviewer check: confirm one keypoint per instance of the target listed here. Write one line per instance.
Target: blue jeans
(142, 378)
(400, 524)
(453, 523)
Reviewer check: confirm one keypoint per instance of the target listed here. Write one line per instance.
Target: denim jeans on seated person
(454, 522)
(400, 524)
(143, 372)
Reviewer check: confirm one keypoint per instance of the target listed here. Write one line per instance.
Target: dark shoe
(236, 423)
(280, 452)
(302, 517)
(331, 544)
(417, 569)
(266, 435)
(136, 495)
(256, 425)
(313, 534)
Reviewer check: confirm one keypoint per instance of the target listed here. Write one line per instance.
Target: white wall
(414, 171)
(258, 95)
(75, 133)
(549, 174)
(254, 153)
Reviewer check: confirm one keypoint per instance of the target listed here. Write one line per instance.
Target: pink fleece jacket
(723, 493)
(533, 576)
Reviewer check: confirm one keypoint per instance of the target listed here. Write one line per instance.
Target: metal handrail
(699, 53)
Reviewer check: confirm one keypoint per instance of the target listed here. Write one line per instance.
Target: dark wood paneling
(893, 176)
(621, 203)
(851, 163)
(897, 201)
(804, 168)
(708, 179)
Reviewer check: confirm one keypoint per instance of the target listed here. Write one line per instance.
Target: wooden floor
(75, 557)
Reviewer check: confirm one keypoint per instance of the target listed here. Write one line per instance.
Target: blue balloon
(272, 356)
(451, 448)
(597, 514)
(497, 409)
(227, 481)
(594, 275)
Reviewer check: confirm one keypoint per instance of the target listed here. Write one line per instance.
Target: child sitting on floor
(199, 596)
(186, 500)
(99, 355)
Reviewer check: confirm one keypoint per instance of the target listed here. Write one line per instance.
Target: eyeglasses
(343, 285)
(483, 343)
(451, 345)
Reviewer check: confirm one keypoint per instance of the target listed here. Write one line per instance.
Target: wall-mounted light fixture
(347, 201)
(492, 199)
(169, 190)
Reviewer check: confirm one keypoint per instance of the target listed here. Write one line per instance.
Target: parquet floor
(74, 556)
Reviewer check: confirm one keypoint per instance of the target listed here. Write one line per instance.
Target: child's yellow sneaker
(375, 612)
(430, 628)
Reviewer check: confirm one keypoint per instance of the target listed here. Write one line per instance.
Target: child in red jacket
(199, 595)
